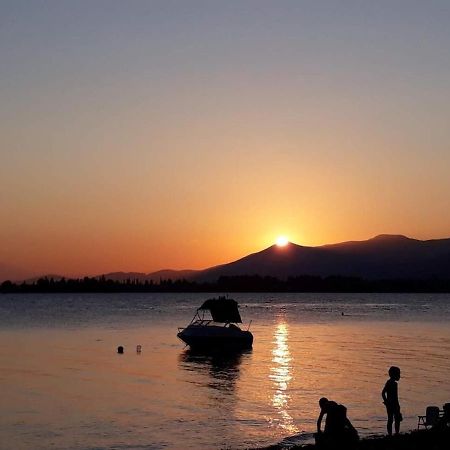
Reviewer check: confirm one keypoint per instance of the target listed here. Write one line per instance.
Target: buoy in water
(138, 348)
(120, 349)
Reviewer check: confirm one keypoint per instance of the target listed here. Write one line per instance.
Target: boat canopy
(222, 309)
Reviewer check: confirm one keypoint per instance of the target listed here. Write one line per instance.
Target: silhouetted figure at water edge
(325, 406)
(390, 399)
(338, 432)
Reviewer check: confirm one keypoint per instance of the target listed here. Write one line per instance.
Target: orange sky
(149, 137)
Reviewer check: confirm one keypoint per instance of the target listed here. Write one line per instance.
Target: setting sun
(282, 241)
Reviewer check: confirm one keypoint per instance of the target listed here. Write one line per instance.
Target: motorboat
(215, 326)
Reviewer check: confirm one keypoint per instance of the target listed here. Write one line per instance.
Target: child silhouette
(390, 399)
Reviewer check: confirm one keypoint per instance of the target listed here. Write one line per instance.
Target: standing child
(390, 399)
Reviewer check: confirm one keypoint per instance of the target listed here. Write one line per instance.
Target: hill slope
(382, 257)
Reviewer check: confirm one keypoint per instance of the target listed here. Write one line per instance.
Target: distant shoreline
(246, 283)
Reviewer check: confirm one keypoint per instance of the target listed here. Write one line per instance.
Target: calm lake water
(65, 387)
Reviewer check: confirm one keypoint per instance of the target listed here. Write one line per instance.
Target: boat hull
(211, 337)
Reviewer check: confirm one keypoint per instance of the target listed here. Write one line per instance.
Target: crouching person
(338, 432)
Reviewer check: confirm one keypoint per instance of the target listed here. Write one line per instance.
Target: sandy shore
(415, 440)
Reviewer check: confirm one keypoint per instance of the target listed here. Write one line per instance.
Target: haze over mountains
(382, 257)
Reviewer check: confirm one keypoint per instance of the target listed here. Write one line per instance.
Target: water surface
(64, 386)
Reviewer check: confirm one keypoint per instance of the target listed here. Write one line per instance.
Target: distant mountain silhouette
(50, 276)
(171, 274)
(382, 257)
(123, 276)
(153, 276)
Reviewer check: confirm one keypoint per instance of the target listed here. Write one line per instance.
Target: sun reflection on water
(281, 375)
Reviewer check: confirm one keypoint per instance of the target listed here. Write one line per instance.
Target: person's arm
(350, 425)
(383, 394)
(319, 421)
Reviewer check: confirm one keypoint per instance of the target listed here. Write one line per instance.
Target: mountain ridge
(382, 257)
(385, 256)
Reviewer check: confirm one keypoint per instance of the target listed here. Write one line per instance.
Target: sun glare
(282, 241)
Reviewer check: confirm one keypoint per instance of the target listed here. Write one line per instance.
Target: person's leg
(389, 422)
(397, 423)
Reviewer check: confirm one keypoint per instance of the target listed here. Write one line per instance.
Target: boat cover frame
(222, 309)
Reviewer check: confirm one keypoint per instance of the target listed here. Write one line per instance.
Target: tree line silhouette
(244, 283)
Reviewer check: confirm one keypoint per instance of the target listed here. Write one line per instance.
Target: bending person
(338, 432)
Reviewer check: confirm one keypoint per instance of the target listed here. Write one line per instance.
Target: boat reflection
(281, 375)
(222, 368)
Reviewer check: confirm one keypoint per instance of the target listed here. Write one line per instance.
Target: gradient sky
(145, 135)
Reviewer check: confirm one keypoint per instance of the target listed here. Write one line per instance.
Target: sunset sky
(141, 135)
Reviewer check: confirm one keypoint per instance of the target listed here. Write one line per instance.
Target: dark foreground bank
(415, 440)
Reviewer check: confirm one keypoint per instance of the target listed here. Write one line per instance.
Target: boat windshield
(209, 322)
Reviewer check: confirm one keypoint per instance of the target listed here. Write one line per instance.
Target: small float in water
(219, 331)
